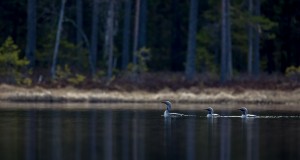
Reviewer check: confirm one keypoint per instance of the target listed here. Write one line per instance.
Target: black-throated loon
(167, 112)
(245, 113)
(211, 113)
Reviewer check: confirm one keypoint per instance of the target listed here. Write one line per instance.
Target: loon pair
(210, 113)
(243, 110)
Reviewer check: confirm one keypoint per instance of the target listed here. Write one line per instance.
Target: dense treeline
(75, 40)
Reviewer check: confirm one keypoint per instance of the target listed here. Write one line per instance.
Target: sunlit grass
(208, 95)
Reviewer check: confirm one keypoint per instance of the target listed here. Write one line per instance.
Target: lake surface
(138, 131)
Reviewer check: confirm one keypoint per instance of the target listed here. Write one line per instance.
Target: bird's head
(168, 104)
(210, 110)
(243, 110)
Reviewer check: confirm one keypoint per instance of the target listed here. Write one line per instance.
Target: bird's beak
(240, 109)
(206, 109)
(163, 102)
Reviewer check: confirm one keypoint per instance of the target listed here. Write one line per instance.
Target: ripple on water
(257, 117)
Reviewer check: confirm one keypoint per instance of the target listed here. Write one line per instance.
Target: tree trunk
(250, 38)
(229, 43)
(94, 38)
(136, 32)
(79, 22)
(256, 59)
(31, 32)
(191, 55)
(57, 41)
(224, 44)
(79, 30)
(126, 35)
(109, 37)
(177, 48)
(143, 23)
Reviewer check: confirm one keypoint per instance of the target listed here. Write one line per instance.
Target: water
(125, 131)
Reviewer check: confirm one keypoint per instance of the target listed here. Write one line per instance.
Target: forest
(96, 43)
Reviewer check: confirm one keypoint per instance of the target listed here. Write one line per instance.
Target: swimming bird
(245, 113)
(211, 113)
(167, 112)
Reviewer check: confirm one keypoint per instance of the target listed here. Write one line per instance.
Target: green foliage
(26, 81)
(264, 26)
(167, 33)
(11, 66)
(45, 52)
(240, 20)
(65, 74)
(68, 53)
(293, 72)
(143, 55)
(205, 59)
(10, 55)
(72, 54)
(100, 74)
(213, 14)
(131, 67)
(77, 79)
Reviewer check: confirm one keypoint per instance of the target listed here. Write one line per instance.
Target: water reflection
(168, 138)
(191, 138)
(125, 135)
(250, 136)
(138, 134)
(212, 138)
(225, 139)
(56, 136)
(108, 135)
(92, 134)
(30, 135)
(78, 135)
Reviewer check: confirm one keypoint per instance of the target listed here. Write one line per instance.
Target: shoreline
(207, 95)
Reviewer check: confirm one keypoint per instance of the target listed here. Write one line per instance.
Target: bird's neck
(168, 107)
(166, 113)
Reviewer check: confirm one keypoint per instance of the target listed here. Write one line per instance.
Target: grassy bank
(203, 95)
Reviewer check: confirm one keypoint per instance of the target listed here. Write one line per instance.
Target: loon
(211, 113)
(167, 112)
(245, 113)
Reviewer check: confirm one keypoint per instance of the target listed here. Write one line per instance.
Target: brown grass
(191, 95)
(154, 87)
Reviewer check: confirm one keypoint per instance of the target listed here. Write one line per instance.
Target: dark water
(128, 134)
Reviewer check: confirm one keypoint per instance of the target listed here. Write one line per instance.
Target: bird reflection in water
(212, 138)
(171, 138)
